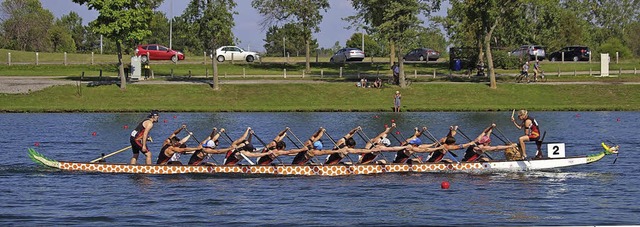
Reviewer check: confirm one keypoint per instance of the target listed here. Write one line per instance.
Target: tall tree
(304, 12)
(25, 25)
(396, 21)
(73, 24)
(122, 20)
(288, 37)
(159, 27)
(61, 38)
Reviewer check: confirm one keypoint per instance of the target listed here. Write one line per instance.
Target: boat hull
(323, 170)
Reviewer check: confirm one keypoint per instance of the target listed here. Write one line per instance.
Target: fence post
(65, 58)
(434, 73)
(37, 59)
(558, 71)
(171, 73)
(562, 57)
(415, 74)
(341, 72)
(590, 73)
(322, 73)
(302, 73)
(285, 73)
(8, 58)
(101, 74)
(617, 56)
(574, 72)
(243, 73)
(189, 73)
(206, 73)
(620, 71)
(92, 58)
(204, 58)
(232, 61)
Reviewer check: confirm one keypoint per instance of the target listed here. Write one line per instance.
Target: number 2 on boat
(555, 150)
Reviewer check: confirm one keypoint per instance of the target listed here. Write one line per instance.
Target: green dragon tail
(41, 159)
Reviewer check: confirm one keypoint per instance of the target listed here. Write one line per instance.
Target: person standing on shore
(139, 138)
(396, 101)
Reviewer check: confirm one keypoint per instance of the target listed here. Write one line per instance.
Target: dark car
(573, 53)
(422, 54)
(157, 52)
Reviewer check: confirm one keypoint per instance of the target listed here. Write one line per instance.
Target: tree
(395, 20)
(25, 25)
(304, 12)
(293, 40)
(72, 22)
(206, 25)
(122, 20)
(61, 38)
(159, 27)
(371, 47)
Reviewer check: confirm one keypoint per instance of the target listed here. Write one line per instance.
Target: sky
(247, 22)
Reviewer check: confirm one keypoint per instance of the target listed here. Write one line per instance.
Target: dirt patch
(23, 85)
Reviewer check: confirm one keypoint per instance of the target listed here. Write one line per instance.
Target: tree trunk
(123, 78)
(402, 81)
(392, 53)
(214, 61)
(308, 57)
(487, 47)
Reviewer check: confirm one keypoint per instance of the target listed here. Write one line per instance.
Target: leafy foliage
(25, 25)
(371, 47)
(205, 25)
(294, 42)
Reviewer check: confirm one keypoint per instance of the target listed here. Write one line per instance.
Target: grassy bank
(336, 96)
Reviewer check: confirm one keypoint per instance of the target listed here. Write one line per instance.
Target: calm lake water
(596, 194)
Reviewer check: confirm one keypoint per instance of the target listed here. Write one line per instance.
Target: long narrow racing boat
(330, 170)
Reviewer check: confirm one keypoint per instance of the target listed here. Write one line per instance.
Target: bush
(614, 45)
(503, 60)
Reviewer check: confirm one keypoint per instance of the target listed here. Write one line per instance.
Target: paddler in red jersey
(346, 141)
(174, 145)
(449, 143)
(531, 132)
(139, 136)
(380, 140)
(482, 143)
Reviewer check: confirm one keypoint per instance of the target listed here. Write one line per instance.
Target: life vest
(534, 130)
(265, 160)
(470, 155)
(138, 132)
(335, 158)
(162, 157)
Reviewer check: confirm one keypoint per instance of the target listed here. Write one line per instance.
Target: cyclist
(536, 71)
(525, 70)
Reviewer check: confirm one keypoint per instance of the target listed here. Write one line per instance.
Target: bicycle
(522, 76)
(541, 77)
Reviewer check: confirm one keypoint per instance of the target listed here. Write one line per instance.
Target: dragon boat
(329, 170)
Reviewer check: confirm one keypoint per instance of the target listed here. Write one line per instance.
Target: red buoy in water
(165, 121)
(577, 115)
(37, 144)
(445, 185)
(94, 133)
(125, 126)
(174, 116)
(618, 119)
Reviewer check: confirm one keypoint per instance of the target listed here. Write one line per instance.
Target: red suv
(157, 52)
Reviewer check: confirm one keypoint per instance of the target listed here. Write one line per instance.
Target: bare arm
(497, 148)
(147, 125)
(243, 137)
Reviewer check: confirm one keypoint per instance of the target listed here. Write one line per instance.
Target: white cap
(209, 144)
(386, 142)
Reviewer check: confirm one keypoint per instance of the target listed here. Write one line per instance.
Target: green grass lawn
(336, 96)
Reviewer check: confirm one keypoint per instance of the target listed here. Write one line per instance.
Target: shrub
(614, 45)
(503, 60)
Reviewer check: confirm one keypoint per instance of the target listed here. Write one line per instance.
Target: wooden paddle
(116, 152)
(111, 154)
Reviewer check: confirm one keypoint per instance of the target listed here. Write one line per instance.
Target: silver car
(347, 54)
(532, 51)
(238, 54)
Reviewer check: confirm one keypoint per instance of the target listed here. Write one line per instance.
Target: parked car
(574, 53)
(532, 51)
(236, 53)
(157, 52)
(422, 54)
(347, 54)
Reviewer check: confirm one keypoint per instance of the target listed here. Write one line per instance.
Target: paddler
(449, 143)
(312, 144)
(139, 136)
(531, 132)
(275, 144)
(482, 143)
(346, 141)
(379, 140)
(208, 147)
(413, 146)
(174, 145)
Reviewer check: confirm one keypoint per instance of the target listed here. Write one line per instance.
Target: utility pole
(170, 23)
